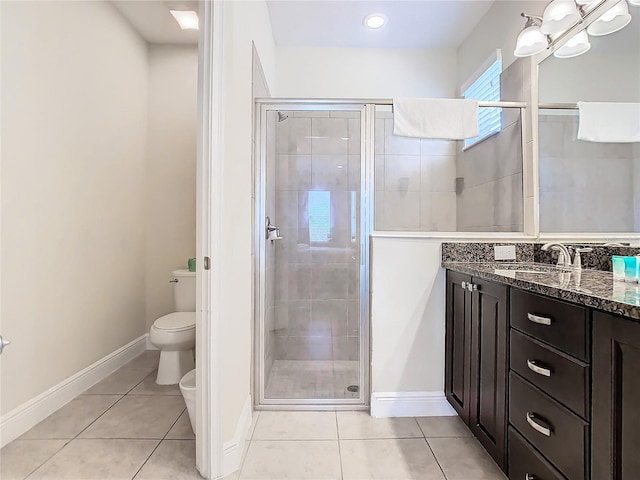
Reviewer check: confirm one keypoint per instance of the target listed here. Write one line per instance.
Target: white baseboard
(22, 418)
(233, 449)
(410, 404)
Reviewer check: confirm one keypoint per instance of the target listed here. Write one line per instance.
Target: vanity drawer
(560, 324)
(526, 463)
(562, 377)
(561, 436)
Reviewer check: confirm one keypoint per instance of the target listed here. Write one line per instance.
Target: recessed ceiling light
(187, 19)
(375, 20)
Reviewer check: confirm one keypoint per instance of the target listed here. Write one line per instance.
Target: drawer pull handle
(538, 319)
(531, 420)
(535, 366)
(528, 476)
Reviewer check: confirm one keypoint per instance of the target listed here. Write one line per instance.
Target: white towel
(609, 122)
(443, 118)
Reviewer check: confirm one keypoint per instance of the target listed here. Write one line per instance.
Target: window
(319, 216)
(484, 85)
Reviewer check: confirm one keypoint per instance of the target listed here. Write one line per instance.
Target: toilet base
(173, 366)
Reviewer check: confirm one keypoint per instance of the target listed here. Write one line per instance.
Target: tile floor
(124, 427)
(355, 446)
(312, 379)
(127, 427)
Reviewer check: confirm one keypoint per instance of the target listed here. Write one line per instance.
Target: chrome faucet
(564, 257)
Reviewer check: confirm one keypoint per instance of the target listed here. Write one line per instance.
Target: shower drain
(353, 388)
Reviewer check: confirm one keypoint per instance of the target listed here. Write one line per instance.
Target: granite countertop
(591, 288)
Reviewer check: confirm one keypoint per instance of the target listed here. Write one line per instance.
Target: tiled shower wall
(414, 181)
(317, 282)
(586, 186)
(491, 195)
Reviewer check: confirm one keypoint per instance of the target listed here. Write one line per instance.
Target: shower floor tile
(315, 379)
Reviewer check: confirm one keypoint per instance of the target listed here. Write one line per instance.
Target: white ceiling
(329, 23)
(411, 23)
(153, 21)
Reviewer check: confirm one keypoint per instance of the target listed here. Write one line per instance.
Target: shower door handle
(272, 232)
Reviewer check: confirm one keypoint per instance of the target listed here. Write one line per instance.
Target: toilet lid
(176, 321)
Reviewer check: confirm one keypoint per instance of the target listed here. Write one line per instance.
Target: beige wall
(74, 119)
(364, 72)
(244, 23)
(171, 171)
(499, 28)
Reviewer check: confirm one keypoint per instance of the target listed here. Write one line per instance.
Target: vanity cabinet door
(458, 344)
(615, 421)
(489, 367)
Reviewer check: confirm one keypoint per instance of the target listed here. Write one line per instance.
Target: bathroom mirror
(589, 187)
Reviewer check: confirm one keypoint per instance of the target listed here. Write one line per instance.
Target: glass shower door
(310, 335)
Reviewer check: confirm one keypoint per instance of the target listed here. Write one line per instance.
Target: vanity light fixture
(531, 40)
(614, 19)
(560, 15)
(374, 21)
(577, 45)
(187, 19)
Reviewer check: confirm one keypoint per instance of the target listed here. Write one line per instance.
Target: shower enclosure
(320, 168)
(312, 225)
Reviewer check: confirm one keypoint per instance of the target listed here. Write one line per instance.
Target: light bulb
(559, 16)
(576, 45)
(614, 19)
(530, 42)
(375, 20)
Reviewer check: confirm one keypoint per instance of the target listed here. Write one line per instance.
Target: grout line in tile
(299, 440)
(444, 475)
(146, 460)
(159, 443)
(47, 459)
(339, 448)
(98, 417)
(420, 428)
(381, 438)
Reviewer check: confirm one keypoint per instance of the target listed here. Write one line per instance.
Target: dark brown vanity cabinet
(476, 358)
(616, 398)
(458, 344)
(549, 387)
(572, 405)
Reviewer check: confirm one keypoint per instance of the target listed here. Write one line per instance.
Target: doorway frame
(209, 208)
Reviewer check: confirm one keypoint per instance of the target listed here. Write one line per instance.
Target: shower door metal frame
(367, 114)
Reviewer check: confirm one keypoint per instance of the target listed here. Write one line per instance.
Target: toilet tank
(184, 290)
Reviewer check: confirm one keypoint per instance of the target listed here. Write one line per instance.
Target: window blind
(486, 88)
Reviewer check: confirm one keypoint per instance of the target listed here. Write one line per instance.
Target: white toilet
(175, 334)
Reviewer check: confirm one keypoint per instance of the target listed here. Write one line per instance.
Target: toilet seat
(176, 321)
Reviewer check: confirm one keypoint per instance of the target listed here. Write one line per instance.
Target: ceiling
(329, 23)
(411, 23)
(154, 22)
